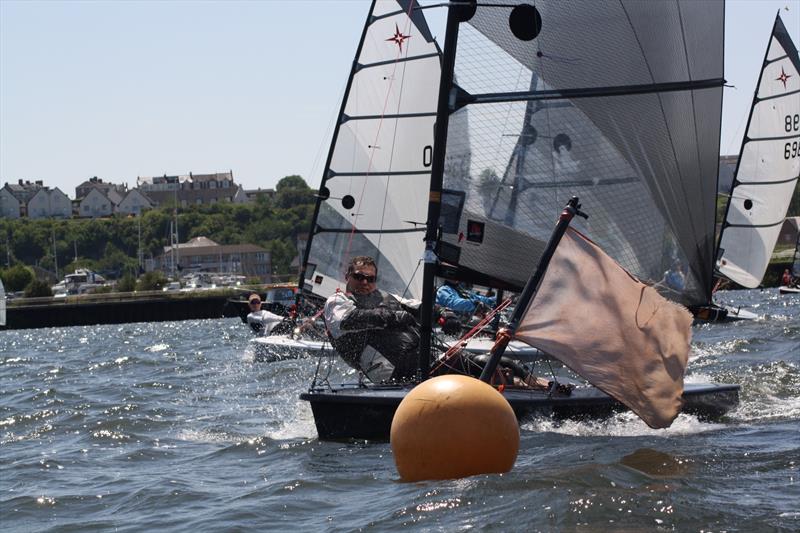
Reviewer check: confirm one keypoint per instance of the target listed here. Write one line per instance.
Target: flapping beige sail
(610, 328)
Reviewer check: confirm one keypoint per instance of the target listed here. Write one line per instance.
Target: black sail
(618, 103)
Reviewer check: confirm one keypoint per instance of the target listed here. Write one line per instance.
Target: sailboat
(428, 172)
(768, 168)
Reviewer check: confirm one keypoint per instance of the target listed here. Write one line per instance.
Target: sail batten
(591, 92)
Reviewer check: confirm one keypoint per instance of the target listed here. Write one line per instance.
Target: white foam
(624, 424)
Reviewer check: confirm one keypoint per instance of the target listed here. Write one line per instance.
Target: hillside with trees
(111, 245)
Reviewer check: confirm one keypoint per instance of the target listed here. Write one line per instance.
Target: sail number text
(791, 123)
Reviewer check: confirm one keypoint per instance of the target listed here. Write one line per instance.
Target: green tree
(126, 283)
(151, 281)
(38, 288)
(291, 191)
(16, 278)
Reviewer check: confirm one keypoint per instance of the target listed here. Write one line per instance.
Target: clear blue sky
(120, 89)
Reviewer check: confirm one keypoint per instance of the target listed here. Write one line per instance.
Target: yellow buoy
(453, 426)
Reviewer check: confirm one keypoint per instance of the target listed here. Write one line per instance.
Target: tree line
(111, 245)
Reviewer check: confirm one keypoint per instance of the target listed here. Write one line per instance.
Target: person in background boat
(457, 298)
(373, 331)
(786, 279)
(260, 320)
(674, 278)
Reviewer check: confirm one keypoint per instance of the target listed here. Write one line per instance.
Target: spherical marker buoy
(453, 426)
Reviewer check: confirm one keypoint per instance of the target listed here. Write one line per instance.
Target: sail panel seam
(594, 92)
(362, 66)
(346, 118)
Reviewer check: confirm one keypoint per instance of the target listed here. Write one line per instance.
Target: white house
(240, 197)
(47, 203)
(95, 204)
(9, 205)
(134, 203)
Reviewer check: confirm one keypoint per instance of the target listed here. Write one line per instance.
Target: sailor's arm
(342, 316)
(449, 298)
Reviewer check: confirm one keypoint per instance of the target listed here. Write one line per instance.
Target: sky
(120, 89)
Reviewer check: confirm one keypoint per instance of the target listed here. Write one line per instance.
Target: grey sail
(376, 181)
(768, 168)
(630, 124)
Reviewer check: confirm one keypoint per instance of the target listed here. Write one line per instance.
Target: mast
(446, 104)
(326, 168)
(531, 287)
(55, 252)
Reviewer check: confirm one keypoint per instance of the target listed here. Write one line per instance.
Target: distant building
(9, 205)
(789, 231)
(194, 189)
(727, 168)
(241, 196)
(24, 191)
(82, 190)
(252, 194)
(47, 203)
(205, 255)
(134, 203)
(95, 204)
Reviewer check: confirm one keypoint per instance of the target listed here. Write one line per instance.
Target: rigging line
(413, 275)
(398, 116)
(663, 115)
(373, 148)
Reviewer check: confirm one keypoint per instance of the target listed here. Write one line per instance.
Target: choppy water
(171, 426)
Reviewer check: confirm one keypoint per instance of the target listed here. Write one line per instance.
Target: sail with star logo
(768, 168)
(374, 191)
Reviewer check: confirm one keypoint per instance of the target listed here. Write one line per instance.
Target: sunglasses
(252, 302)
(362, 277)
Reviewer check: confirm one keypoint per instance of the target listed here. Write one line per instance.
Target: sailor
(674, 278)
(260, 320)
(373, 331)
(457, 298)
(786, 279)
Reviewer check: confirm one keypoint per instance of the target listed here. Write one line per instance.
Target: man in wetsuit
(373, 331)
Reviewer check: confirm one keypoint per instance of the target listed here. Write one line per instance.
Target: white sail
(769, 166)
(374, 191)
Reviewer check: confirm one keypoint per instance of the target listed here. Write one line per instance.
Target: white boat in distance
(280, 347)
